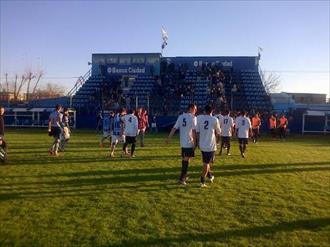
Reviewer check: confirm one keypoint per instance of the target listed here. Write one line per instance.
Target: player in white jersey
(244, 128)
(186, 124)
(219, 117)
(107, 120)
(55, 125)
(227, 127)
(117, 131)
(208, 128)
(130, 123)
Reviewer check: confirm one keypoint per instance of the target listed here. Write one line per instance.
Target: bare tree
(270, 80)
(54, 90)
(51, 90)
(21, 84)
(15, 87)
(37, 82)
(30, 76)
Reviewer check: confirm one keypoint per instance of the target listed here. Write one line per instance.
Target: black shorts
(187, 152)
(255, 132)
(208, 157)
(130, 139)
(225, 139)
(243, 140)
(56, 132)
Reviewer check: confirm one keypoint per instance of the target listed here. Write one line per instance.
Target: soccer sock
(184, 169)
(56, 147)
(228, 148)
(222, 144)
(244, 148)
(240, 148)
(133, 148)
(124, 147)
(209, 174)
(53, 148)
(142, 138)
(202, 180)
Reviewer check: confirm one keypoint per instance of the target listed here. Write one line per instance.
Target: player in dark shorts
(186, 123)
(55, 126)
(244, 129)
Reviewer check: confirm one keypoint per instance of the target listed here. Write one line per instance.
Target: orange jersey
(283, 122)
(272, 122)
(256, 122)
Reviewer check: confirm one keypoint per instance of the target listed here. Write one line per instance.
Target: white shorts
(115, 139)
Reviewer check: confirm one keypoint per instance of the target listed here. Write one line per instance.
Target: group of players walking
(124, 126)
(206, 129)
(203, 131)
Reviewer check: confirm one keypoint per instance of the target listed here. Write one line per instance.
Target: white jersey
(207, 127)
(186, 123)
(243, 125)
(226, 125)
(219, 117)
(130, 125)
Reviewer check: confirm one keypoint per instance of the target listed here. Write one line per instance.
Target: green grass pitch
(278, 196)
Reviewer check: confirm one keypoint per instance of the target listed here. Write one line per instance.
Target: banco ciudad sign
(128, 70)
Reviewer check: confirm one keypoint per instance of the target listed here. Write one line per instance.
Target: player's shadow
(226, 170)
(136, 176)
(66, 159)
(222, 236)
(137, 179)
(55, 191)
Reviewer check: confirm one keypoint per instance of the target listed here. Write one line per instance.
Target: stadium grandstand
(166, 85)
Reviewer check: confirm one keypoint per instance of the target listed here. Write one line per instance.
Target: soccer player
(142, 124)
(243, 128)
(186, 124)
(256, 123)
(106, 129)
(117, 130)
(283, 124)
(220, 117)
(130, 122)
(207, 129)
(55, 129)
(273, 125)
(65, 135)
(226, 126)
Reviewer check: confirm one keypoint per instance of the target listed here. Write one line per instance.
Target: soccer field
(278, 196)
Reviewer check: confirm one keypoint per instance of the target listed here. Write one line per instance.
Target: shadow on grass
(86, 192)
(219, 169)
(119, 182)
(63, 159)
(256, 231)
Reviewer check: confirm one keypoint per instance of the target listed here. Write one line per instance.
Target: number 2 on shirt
(206, 125)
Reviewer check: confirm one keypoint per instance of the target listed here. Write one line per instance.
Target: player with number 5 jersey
(186, 124)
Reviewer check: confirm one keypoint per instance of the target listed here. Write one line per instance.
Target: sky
(58, 37)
